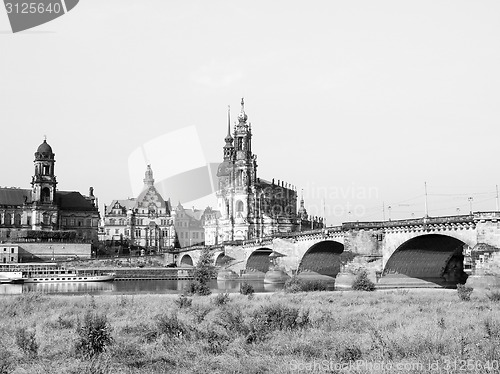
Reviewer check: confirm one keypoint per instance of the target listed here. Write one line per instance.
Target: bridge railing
(411, 222)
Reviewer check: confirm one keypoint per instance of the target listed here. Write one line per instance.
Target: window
(64, 221)
(239, 206)
(107, 231)
(88, 222)
(111, 221)
(45, 196)
(117, 231)
(72, 222)
(12, 250)
(80, 222)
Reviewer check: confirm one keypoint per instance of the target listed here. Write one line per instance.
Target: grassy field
(419, 331)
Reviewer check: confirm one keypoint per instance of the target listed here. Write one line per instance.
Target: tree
(204, 272)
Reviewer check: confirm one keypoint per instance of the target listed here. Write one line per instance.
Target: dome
(44, 148)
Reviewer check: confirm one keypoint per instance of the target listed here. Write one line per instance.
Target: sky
(357, 103)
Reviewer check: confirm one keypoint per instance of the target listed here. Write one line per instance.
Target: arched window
(17, 219)
(45, 195)
(8, 219)
(46, 218)
(239, 206)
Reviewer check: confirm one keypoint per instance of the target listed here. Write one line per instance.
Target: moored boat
(51, 272)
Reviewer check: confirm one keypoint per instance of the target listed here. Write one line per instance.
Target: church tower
(44, 181)
(44, 210)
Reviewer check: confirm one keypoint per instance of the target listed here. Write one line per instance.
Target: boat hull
(65, 279)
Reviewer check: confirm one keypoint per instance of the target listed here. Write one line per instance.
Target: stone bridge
(435, 249)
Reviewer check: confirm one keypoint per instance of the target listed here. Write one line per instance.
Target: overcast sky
(356, 102)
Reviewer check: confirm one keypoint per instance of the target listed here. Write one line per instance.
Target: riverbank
(275, 333)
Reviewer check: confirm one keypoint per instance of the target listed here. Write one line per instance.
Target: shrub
(221, 299)
(94, 334)
(6, 362)
(295, 284)
(190, 288)
(464, 292)
(276, 317)
(184, 302)
(26, 341)
(362, 282)
(169, 324)
(493, 295)
(246, 289)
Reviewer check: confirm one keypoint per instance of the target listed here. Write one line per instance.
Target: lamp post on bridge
(470, 202)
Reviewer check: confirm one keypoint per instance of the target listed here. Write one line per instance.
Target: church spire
(229, 138)
(242, 117)
(148, 178)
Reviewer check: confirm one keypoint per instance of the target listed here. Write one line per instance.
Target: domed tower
(44, 181)
(148, 180)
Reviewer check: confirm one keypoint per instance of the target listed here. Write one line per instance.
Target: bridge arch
(222, 259)
(186, 260)
(259, 260)
(323, 258)
(435, 258)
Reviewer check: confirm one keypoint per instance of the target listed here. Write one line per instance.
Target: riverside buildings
(49, 223)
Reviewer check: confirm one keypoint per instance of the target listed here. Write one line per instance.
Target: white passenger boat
(50, 272)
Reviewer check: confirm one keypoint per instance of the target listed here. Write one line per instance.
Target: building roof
(151, 195)
(14, 196)
(125, 203)
(73, 200)
(44, 148)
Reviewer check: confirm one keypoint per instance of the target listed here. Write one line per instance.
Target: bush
(295, 284)
(169, 324)
(184, 302)
(276, 317)
(246, 289)
(221, 299)
(464, 292)
(6, 361)
(26, 341)
(493, 295)
(94, 334)
(362, 282)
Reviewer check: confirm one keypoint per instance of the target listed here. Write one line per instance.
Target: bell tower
(44, 181)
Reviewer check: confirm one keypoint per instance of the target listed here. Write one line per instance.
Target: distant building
(250, 207)
(44, 214)
(188, 226)
(9, 253)
(145, 221)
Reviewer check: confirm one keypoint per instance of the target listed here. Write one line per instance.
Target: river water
(129, 287)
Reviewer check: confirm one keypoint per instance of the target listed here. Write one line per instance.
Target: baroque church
(250, 207)
(44, 213)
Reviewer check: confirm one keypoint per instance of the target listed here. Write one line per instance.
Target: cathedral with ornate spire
(250, 207)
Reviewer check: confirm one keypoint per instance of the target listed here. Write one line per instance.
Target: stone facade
(188, 226)
(146, 221)
(44, 213)
(9, 254)
(250, 207)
